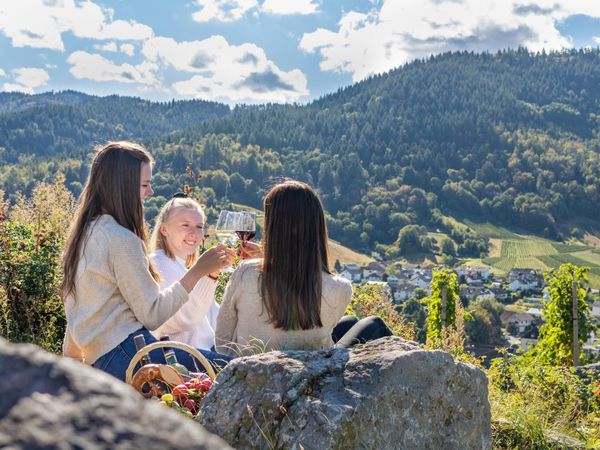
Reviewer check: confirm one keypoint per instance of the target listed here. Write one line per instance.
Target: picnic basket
(163, 372)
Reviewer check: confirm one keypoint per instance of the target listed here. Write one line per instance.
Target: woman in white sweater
(289, 299)
(178, 232)
(110, 288)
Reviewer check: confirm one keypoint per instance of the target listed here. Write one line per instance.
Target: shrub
(31, 240)
(372, 300)
(532, 402)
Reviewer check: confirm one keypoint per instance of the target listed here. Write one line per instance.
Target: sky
(258, 51)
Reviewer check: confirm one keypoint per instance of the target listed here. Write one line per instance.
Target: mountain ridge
(510, 137)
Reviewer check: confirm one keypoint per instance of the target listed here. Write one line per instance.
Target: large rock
(51, 402)
(386, 394)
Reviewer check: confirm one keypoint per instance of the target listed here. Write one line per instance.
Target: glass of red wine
(232, 223)
(246, 229)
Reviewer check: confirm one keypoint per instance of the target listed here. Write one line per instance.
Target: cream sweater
(243, 319)
(115, 293)
(191, 324)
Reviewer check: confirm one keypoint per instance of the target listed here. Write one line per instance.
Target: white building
(521, 321)
(596, 309)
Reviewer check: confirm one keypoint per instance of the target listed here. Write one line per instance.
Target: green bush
(532, 402)
(32, 233)
(372, 300)
(30, 308)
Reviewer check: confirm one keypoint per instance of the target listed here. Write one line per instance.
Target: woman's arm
(227, 320)
(70, 347)
(192, 314)
(151, 306)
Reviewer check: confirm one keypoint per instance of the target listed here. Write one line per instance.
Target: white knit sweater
(191, 324)
(115, 293)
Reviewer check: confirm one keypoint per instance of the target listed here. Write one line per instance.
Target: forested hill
(511, 138)
(65, 122)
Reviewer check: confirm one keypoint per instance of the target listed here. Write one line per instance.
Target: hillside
(510, 138)
(66, 123)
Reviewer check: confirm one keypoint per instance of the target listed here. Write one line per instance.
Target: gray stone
(52, 402)
(386, 394)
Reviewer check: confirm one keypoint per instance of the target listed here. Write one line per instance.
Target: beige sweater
(115, 293)
(243, 319)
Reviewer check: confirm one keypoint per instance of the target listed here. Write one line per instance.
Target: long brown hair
(158, 241)
(295, 256)
(112, 187)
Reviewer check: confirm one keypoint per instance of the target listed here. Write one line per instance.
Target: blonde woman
(178, 233)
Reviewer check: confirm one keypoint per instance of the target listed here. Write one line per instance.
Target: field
(526, 251)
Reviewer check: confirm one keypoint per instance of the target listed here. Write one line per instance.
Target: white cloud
(108, 47)
(26, 79)
(232, 73)
(40, 23)
(282, 7)
(2, 73)
(597, 40)
(128, 49)
(97, 68)
(400, 31)
(223, 10)
(232, 10)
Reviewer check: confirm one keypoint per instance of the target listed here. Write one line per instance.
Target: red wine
(246, 235)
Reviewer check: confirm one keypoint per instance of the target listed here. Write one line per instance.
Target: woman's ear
(163, 229)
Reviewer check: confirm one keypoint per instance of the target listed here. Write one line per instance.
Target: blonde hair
(158, 240)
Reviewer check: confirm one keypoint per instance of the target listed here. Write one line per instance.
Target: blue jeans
(116, 361)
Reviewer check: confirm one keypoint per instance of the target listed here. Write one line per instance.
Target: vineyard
(524, 251)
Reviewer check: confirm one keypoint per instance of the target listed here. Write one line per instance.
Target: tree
(448, 247)
(556, 341)
(442, 305)
(485, 328)
(414, 312)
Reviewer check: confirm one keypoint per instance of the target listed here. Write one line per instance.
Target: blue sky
(256, 51)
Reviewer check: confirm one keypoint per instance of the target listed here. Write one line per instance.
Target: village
(522, 293)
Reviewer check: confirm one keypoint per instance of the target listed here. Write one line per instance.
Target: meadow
(523, 251)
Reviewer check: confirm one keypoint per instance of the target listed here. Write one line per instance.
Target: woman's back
(243, 317)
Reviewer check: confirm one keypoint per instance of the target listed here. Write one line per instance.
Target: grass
(493, 231)
(569, 248)
(346, 255)
(510, 250)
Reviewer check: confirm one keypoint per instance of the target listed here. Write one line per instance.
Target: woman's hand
(212, 260)
(250, 250)
(216, 258)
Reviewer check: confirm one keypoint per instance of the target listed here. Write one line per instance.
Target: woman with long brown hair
(289, 299)
(110, 288)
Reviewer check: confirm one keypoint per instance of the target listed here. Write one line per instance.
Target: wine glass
(226, 227)
(246, 226)
(232, 223)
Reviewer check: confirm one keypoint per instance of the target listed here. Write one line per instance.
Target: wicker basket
(170, 344)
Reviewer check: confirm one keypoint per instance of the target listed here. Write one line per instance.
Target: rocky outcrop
(52, 402)
(386, 394)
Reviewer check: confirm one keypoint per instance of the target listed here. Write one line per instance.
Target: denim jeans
(116, 361)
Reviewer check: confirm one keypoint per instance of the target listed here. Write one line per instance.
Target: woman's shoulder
(336, 282)
(164, 263)
(115, 235)
(248, 267)
(159, 257)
